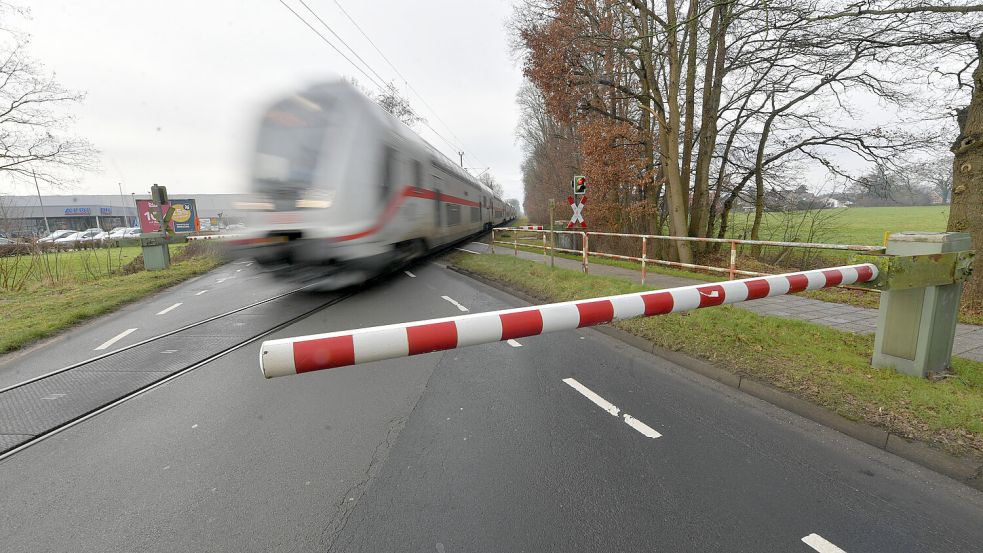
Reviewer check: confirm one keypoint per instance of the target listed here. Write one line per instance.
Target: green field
(848, 225)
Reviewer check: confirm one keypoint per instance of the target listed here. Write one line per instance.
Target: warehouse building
(31, 216)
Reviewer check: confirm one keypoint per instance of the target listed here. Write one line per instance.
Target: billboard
(183, 220)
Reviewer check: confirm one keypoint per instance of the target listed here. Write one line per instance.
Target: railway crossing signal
(578, 212)
(579, 185)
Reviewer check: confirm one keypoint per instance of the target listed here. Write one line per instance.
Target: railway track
(40, 407)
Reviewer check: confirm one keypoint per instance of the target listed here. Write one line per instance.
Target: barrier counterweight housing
(337, 349)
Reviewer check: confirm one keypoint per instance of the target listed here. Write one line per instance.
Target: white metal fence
(548, 245)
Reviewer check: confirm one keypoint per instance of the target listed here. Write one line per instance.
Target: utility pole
(122, 202)
(461, 154)
(552, 206)
(38, 188)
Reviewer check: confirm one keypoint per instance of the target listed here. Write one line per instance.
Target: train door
(438, 210)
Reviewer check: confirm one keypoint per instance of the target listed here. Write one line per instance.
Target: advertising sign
(183, 219)
(78, 211)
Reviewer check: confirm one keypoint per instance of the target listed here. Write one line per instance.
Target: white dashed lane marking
(469, 251)
(171, 308)
(513, 343)
(820, 544)
(453, 301)
(200, 293)
(409, 274)
(613, 410)
(116, 338)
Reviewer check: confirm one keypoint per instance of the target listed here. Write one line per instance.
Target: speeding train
(343, 191)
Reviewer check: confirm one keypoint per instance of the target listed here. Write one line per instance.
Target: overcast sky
(174, 88)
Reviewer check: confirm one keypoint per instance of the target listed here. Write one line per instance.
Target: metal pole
(38, 188)
(492, 244)
(552, 204)
(515, 242)
(122, 202)
(733, 259)
(584, 234)
(644, 256)
(544, 247)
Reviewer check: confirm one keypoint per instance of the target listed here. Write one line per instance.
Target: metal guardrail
(732, 271)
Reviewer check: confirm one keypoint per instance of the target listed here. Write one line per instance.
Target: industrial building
(27, 216)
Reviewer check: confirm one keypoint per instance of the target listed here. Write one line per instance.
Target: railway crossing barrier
(213, 237)
(921, 276)
(350, 347)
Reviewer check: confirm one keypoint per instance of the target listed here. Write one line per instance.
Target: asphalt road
(499, 447)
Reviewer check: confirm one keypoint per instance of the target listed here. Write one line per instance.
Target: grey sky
(174, 88)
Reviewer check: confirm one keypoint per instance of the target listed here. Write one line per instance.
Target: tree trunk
(676, 190)
(966, 211)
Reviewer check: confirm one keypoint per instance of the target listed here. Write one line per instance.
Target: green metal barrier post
(921, 277)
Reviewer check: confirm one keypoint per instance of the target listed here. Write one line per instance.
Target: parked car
(89, 236)
(6, 241)
(70, 238)
(132, 233)
(117, 233)
(56, 235)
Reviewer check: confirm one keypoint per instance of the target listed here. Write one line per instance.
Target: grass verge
(822, 365)
(41, 311)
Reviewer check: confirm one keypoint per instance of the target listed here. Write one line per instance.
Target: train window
(388, 178)
(475, 215)
(453, 214)
(417, 173)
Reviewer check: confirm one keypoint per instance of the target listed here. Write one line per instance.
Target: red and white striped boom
(350, 347)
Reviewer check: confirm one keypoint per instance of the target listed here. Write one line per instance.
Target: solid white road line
(409, 274)
(513, 343)
(820, 544)
(453, 301)
(200, 293)
(469, 251)
(116, 338)
(169, 309)
(631, 421)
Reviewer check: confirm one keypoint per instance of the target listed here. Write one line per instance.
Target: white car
(56, 235)
(69, 238)
(90, 235)
(132, 233)
(118, 233)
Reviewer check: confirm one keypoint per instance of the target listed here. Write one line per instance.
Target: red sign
(148, 212)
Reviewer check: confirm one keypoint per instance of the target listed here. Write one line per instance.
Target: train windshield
(290, 143)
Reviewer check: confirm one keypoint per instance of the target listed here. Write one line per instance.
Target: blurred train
(344, 191)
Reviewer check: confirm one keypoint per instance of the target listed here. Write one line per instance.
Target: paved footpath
(969, 338)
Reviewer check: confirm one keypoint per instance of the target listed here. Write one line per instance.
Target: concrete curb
(965, 470)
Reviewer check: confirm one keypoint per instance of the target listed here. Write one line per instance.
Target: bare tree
(34, 115)
(488, 180)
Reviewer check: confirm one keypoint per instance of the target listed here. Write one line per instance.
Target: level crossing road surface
(569, 441)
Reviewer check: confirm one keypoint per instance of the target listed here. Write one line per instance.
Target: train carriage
(344, 191)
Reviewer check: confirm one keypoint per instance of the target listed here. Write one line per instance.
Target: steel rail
(180, 372)
(154, 338)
